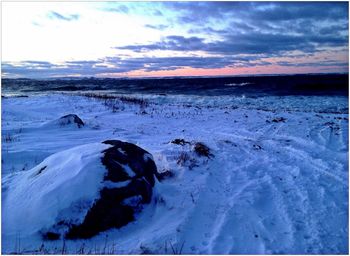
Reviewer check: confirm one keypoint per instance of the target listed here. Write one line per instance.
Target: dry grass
(124, 99)
(185, 159)
(8, 138)
(202, 150)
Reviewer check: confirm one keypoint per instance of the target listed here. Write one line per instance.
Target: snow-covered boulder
(70, 119)
(79, 192)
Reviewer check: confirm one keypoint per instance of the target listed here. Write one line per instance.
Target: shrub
(181, 142)
(185, 159)
(202, 150)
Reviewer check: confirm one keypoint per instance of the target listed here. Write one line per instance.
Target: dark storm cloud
(199, 12)
(301, 10)
(274, 27)
(55, 15)
(117, 65)
(249, 43)
(207, 30)
(333, 29)
(175, 43)
(256, 28)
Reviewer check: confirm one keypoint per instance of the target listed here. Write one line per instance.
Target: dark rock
(69, 119)
(51, 236)
(125, 162)
(138, 159)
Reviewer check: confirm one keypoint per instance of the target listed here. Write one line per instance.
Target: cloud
(32, 69)
(174, 43)
(228, 34)
(254, 27)
(202, 12)
(157, 13)
(326, 21)
(247, 43)
(57, 16)
(116, 65)
(302, 10)
(172, 63)
(314, 64)
(120, 9)
(157, 27)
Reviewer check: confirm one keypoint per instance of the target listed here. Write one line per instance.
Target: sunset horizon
(147, 39)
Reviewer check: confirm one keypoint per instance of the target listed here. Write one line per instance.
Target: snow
(271, 187)
(128, 170)
(35, 198)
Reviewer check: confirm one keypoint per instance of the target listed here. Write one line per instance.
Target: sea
(301, 92)
(313, 84)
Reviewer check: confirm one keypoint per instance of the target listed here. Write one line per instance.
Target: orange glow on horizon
(257, 70)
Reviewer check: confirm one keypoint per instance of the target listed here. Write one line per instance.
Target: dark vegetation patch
(181, 142)
(7, 138)
(186, 159)
(165, 174)
(341, 118)
(199, 148)
(333, 126)
(124, 99)
(202, 150)
(279, 120)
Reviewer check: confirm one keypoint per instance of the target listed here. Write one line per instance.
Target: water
(250, 86)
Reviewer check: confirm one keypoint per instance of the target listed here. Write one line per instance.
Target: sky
(153, 39)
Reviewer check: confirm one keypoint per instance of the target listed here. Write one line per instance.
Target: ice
(272, 187)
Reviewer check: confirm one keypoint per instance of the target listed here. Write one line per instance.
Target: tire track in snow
(310, 185)
(212, 204)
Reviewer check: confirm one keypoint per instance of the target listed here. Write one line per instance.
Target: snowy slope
(273, 186)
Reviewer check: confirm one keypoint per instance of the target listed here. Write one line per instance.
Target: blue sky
(118, 39)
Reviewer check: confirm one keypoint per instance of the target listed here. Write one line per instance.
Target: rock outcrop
(70, 119)
(80, 192)
(131, 176)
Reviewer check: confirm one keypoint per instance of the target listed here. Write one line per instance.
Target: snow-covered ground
(278, 181)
